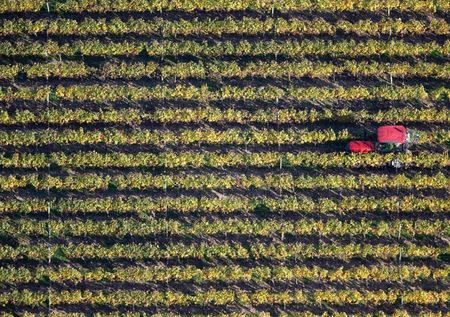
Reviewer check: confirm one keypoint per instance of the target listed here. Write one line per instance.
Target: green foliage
(102, 93)
(229, 25)
(229, 204)
(263, 5)
(62, 116)
(289, 48)
(284, 181)
(220, 69)
(142, 274)
(235, 226)
(171, 159)
(222, 250)
(21, 5)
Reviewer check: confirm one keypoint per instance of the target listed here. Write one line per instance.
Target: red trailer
(361, 146)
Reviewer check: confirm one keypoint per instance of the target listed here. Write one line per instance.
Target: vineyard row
(421, 6)
(222, 297)
(193, 136)
(266, 228)
(288, 48)
(185, 136)
(222, 250)
(220, 69)
(229, 204)
(282, 181)
(209, 114)
(170, 159)
(103, 93)
(255, 313)
(215, 27)
(231, 273)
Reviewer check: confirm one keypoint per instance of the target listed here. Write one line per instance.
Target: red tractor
(390, 138)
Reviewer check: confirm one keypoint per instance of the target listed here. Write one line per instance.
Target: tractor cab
(390, 138)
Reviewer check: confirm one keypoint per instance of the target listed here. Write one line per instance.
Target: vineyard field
(190, 158)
